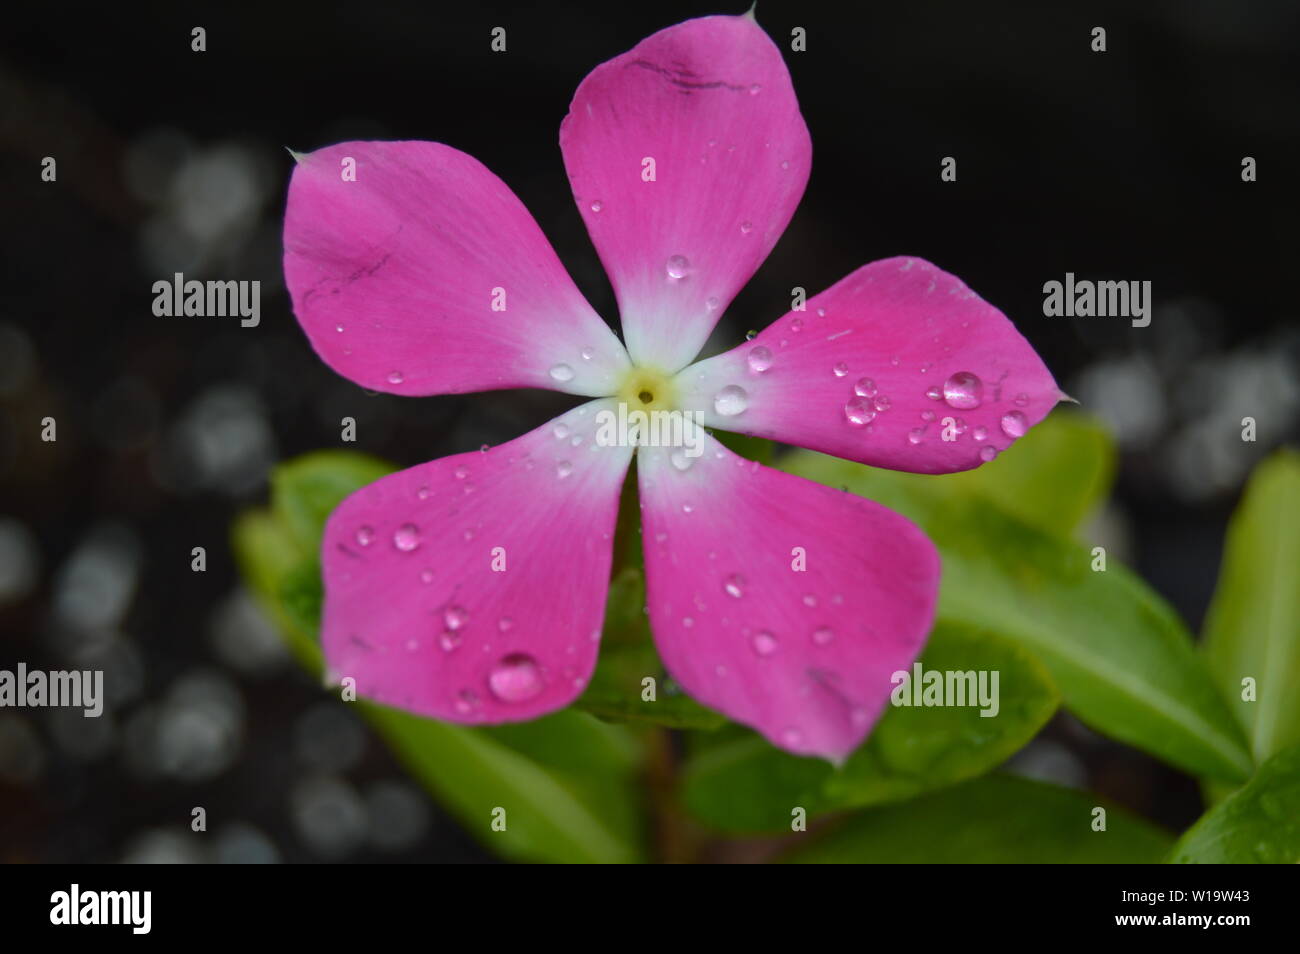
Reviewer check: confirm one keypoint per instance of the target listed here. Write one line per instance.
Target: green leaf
(998, 819)
(1252, 629)
(747, 785)
(1052, 478)
(305, 490)
(628, 656)
(1258, 823)
(567, 782)
(1122, 659)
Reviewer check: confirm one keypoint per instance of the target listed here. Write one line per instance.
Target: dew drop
(1014, 424)
(461, 473)
(395, 377)
(859, 412)
(515, 678)
(561, 373)
(426, 576)
(792, 738)
(882, 403)
(484, 448)
(687, 508)
(988, 452)
(454, 617)
(678, 267)
(711, 304)
(735, 585)
(746, 227)
(764, 643)
(759, 359)
(980, 433)
(927, 416)
(466, 701)
(809, 599)
(505, 623)
(1022, 399)
(423, 492)
(680, 460)
(561, 431)
(796, 324)
(450, 641)
(840, 369)
(596, 206)
(963, 391)
(823, 635)
(731, 400)
(865, 388)
(365, 536)
(935, 393)
(339, 329)
(407, 537)
(563, 469)
(916, 435)
(755, 89)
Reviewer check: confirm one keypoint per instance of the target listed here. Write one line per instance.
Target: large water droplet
(916, 435)
(934, 393)
(865, 388)
(562, 373)
(731, 400)
(1014, 424)
(881, 402)
(764, 643)
(515, 678)
(678, 267)
(859, 412)
(963, 391)
(759, 359)
(365, 536)
(734, 585)
(407, 537)
(988, 452)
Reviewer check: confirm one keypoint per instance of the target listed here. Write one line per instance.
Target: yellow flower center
(648, 389)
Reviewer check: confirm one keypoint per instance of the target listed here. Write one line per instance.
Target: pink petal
(394, 277)
(805, 657)
(415, 611)
(849, 375)
(710, 101)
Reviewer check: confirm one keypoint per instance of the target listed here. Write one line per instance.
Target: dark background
(1121, 165)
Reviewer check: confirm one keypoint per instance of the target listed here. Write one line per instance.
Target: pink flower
(473, 588)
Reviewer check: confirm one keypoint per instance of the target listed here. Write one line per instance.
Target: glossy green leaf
(617, 691)
(1052, 478)
(1258, 823)
(305, 490)
(1122, 659)
(998, 819)
(747, 785)
(1252, 630)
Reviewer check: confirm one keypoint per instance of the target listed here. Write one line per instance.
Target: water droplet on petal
(407, 537)
(680, 460)
(840, 369)
(746, 227)
(963, 391)
(466, 701)
(755, 89)
(1014, 424)
(809, 599)
(505, 623)
(1022, 399)
(759, 359)
(515, 678)
(561, 430)
(731, 400)
(365, 536)
(859, 412)
(395, 377)
(735, 585)
(792, 738)
(484, 448)
(587, 353)
(687, 508)
(927, 416)
(596, 206)
(426, 576)
(916, 435)
(988, 452)
(980, 433)
(454, 617)
(563, 469)
(461, 473)
(823, 635)
(678, 267)
(339, 329)
(450, 641)
(764, 643)
(711, 304)
(562, 373)
(865, 388)
(882, 402)
(796, 324)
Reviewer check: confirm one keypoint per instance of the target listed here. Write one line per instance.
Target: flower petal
(803, 656)
(862, 373)
(399, 278)
(711, 103)
(472, 588)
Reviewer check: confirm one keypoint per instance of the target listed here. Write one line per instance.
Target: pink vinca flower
(473, 588)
